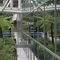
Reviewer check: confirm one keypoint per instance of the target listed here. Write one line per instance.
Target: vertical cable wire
(55, 27)
(30, 55)
(37, 37)
(29, 41)
(33, 32)
(37, 31)
(28, 44)
(44, 29)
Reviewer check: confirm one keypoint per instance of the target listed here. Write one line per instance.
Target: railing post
(11, 4)
(19, 4)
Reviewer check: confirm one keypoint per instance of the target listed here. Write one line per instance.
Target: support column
(19, 23)
(19, 27)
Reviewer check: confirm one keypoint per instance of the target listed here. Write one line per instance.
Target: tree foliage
(4, 23)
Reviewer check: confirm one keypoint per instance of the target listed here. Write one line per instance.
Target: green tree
(47, 22)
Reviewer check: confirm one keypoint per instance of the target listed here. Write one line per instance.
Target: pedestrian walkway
(21, 55)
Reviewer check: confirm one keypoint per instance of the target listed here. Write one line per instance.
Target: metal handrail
(42, 46)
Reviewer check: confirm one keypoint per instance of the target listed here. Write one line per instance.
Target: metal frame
(5, 4)
(43, 47)
(32, 11)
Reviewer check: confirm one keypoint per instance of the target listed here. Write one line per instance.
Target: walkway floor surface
(21, 55)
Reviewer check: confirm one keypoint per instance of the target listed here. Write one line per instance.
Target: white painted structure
(28, 10)
(21, 55)
(21, 10)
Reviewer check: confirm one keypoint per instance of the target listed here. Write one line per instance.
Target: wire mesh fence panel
(40, 51)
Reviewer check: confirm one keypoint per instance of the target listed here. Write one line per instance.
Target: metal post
(55, 29)
(44, 30)
(37, 36)
(30, 55)
(19, 4)
(33, 57)
(11, 4)
(33, 37)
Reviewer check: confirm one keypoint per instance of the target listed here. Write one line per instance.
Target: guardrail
(43, 52)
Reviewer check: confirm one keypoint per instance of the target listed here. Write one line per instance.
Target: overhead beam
(26, 10)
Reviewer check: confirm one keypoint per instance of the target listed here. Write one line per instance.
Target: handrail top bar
(7, 2)
(42, 46)
(17, 11)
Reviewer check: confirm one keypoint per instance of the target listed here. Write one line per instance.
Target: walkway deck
(21, 55)
(21, 52)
